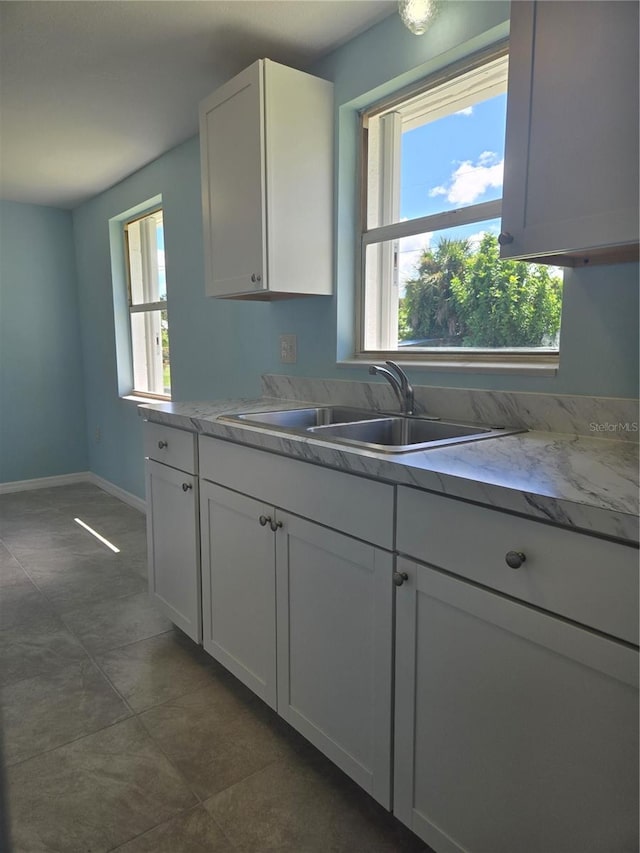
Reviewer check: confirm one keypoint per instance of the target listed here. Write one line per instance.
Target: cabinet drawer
(590, 580)
(174, 447)
(353, 505)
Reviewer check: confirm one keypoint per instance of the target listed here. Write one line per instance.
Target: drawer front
(590, 580)
(350, 504)
(174, 447)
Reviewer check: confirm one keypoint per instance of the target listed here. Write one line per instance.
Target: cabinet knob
(256, 277)
(275, 525)
(186, 487)
(162, 444)
(514, 559)
(504, 238)
(264, 520)
(399, 578)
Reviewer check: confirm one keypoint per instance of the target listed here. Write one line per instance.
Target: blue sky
(454, 161)
(447, 164)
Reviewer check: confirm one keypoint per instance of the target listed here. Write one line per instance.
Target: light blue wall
(220, 348)
(42, 423)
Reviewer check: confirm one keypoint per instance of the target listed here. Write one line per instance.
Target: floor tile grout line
(132, 715)
(69, 742)
(56, 607)
(194, 808)
(111, 649)
(169, 759)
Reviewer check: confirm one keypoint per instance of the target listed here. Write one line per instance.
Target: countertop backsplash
(598, 417)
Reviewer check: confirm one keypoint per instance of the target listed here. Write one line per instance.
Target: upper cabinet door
(233, 197)
(571, 160)
(266, 141)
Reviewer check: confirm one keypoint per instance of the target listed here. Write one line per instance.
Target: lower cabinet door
(238, 587)
(514, 730)
(335, 604)
(173, 546)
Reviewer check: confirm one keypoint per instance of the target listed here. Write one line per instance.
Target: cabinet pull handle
(504, 238)
(514, 559)
(256, 277)
(275, 525)
(162, 444)
(399, 578)
(186, 487)
(264, 520)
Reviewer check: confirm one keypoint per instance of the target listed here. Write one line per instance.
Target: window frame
(443, 357)
(140, 307)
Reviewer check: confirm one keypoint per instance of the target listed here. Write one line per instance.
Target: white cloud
(488, 158)
(471, 180)
(467, 111)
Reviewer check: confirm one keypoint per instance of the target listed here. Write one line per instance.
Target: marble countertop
(585, 483)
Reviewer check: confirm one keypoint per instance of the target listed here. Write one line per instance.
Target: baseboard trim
(69, 479)
(44, 482)
(117, 492)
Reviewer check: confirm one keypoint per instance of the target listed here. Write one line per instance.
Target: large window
(432, 281)
(147, 290)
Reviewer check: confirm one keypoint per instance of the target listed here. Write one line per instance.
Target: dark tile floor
(122, 734)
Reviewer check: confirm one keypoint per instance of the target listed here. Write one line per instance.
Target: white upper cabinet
(571, 161)
(266, 143)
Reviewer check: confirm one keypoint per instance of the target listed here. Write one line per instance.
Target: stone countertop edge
(587, 484)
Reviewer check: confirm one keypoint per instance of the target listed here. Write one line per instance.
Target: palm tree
(429, 307)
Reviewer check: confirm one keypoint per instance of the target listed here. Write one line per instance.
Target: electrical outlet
(288, 349)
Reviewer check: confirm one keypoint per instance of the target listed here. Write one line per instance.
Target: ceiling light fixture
(417, 15)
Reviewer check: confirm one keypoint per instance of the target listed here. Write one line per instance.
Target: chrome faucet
(399, 382)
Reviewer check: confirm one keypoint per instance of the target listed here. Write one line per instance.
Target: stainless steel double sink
(369, 429)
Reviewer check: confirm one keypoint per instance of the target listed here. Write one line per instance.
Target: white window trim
(142, 307)
(409, 106)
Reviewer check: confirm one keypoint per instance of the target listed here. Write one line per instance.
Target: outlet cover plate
(288, 349)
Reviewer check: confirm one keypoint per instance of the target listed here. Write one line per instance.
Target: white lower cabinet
(514, 730)
(299, 612)
(335, 604)
(239, 587)
(173, 545)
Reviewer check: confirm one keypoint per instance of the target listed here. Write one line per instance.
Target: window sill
(133, 398)
(514, 368)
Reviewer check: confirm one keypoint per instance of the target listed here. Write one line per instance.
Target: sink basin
(401, 434)
(368, 429)
(307, 417)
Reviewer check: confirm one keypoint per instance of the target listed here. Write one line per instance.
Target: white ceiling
(91, 91)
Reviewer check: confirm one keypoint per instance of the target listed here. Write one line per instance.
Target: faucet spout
(405, 385)
(399, 383)
(375, 369)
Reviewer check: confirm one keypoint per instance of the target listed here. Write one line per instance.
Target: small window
(147, 289)
(432, 280)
